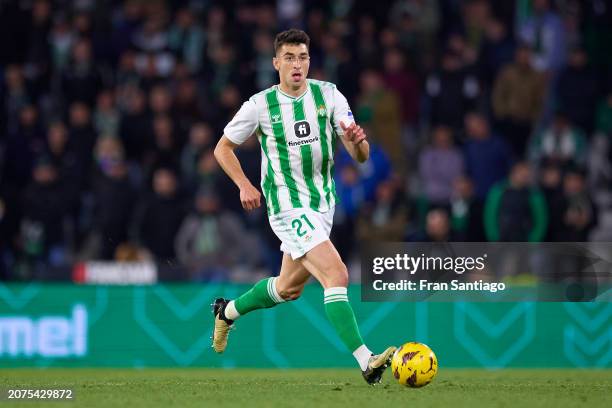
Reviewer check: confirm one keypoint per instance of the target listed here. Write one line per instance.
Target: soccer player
(297, 123)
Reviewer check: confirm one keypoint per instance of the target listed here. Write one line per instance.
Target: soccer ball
(414, 365)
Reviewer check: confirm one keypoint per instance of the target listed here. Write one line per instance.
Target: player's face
(292, 63)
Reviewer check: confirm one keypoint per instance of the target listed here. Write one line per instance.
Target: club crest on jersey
(321, 111)
(276, 118)
(301, 129)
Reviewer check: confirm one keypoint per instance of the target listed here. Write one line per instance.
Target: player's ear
(276, 63)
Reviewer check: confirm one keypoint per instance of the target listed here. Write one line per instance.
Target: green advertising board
(170, 325)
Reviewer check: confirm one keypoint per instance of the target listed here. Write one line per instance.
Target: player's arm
(352, 135)
(250, 197)
(354, 140)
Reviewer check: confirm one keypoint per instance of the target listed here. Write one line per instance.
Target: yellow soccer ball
(414, 365)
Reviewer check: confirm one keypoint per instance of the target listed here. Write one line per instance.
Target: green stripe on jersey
(333, 166)
(322, 118)
(306, 153)
(270, 189)
(276, 119)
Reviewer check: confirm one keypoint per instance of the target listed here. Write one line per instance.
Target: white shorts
(301, 229)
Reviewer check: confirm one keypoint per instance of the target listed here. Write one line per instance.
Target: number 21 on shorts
(297, 225)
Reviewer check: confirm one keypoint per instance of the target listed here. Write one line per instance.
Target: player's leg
(264, 294)
(325, 264)
(292, 278)
(287, 286)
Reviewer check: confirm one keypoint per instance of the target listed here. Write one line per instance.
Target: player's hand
(250, 197)
(353, 133)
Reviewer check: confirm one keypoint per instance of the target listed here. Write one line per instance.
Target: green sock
(340, 314)
(262, 295)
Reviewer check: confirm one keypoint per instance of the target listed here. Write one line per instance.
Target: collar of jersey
(294, 97)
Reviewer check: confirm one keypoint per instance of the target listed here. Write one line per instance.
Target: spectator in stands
(367, 47)
(437, 228)
(82, 80)
(416, 23)
(208, 172)
(15, 95)
(224, 70)
(515, 210)
(378, 110)
(106, 114)
(579, 213)
(351, 192)
(200, 139)
(151, 39)
(6, 234)
(187, 104)
(38, 56)
(22, 147)
(160, 215)
(265, 75)
(211, 240)
(561, 142)
(186, 39)
(42, 237)
(369, 174)
(452, 91)
(385, 219)
(497, 49)
(61, 42)
(550, 183)
(83, 136)
(114, 197)
(440, 164)
(578, 91)
(166, 149)
(544, 33)
(404, 83)
(127, 75)
(487, 157)
(68, 163)
(466, 212)
(135, 126)
(604, 115)
(518, 96)
(161, 101)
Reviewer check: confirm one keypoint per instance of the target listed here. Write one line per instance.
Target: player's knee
(291, 293)
(338, 275)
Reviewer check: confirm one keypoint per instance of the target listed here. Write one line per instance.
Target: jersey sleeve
(244, 123)
(342, 112)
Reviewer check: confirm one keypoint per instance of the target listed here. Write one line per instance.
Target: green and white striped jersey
(298, 138)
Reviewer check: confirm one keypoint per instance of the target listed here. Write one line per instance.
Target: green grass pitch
(246, 388)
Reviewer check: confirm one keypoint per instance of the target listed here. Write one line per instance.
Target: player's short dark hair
(291, 36)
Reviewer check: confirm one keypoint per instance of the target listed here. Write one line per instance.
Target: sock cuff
(362, 354)
(337, 294)
(338, 290)
(272, 292)
(230, 311)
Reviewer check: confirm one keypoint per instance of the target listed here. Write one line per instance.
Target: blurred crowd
(489, 121)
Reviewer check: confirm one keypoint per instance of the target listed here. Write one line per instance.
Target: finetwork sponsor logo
(48, 336)
(301, 129)
(303, 142)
